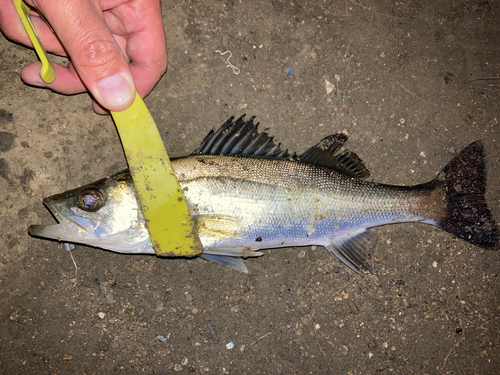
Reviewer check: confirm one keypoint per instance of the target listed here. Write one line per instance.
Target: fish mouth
(68, 228)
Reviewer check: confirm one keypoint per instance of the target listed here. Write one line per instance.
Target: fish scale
(334, 206)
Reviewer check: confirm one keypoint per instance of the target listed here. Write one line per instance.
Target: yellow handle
(47, 73)
(168, 219)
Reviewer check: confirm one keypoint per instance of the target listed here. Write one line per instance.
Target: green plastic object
(168, 219)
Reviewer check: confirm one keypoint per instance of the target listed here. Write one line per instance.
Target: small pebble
(329, 86)
(101, 315)
(434, 264)
(161, 338)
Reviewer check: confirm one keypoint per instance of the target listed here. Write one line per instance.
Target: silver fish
(247, 194)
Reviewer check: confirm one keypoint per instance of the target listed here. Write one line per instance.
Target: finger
(11, 24)
(147, 72)
(49, 40)
(145, 41)
(67, 80)
(99, 109)
(12, 27)
(95, 54)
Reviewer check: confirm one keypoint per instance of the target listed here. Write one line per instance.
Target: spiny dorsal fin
(240, 137)
(325, 154)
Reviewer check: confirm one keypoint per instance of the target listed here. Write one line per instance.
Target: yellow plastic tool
(47, 73)
(168, 219)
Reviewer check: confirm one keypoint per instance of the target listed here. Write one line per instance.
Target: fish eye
(90, 199)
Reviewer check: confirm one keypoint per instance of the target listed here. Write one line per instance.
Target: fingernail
(114, 90)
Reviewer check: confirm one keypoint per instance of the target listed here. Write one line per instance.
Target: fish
(246, 193)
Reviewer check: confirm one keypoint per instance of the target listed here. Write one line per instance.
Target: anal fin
(352, 250)
(231, 256)
(232, 262)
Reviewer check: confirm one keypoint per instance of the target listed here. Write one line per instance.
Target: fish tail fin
(467, 214)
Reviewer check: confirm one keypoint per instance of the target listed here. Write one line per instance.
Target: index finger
(145, 46)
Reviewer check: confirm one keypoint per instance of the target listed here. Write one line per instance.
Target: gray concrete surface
(407, 95)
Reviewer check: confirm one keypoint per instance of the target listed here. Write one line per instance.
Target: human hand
(115, 47)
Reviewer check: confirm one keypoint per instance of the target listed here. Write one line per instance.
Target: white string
(69, 248)
(229, 65)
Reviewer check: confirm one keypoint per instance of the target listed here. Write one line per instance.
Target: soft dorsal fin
(326, 153)
(240, 137)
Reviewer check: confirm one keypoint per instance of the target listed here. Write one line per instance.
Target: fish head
(104, 214)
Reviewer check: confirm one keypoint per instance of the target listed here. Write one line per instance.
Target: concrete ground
(414, 83)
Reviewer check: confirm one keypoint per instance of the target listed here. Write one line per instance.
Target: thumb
(95, 54)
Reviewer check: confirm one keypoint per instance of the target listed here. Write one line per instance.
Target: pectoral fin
(219, 226)
(352, 250)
